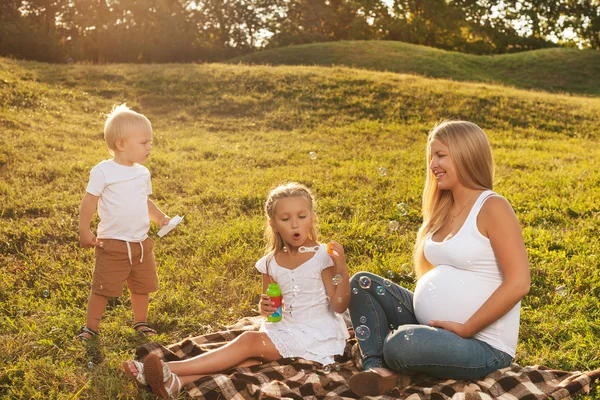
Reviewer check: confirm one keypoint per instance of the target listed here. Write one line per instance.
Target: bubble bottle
(274, 294)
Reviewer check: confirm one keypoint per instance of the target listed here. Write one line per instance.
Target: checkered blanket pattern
(291, 378)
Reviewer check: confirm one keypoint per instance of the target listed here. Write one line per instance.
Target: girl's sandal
(157, 376)
(86, 334)
(140, 378)
(144, 328)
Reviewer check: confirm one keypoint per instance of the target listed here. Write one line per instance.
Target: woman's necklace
(462, 209)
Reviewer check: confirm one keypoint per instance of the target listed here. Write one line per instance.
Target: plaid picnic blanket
(295, 378)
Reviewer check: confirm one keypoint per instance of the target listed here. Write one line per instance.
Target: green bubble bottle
(274, 294)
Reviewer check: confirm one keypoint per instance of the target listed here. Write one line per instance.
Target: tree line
(214, 30)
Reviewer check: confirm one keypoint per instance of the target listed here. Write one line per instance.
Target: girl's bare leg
(238, 353)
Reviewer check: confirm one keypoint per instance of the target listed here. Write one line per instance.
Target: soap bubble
(380, 290)
(90, 365)
(363, 319)
(46, 293)
(390, 274)
(326, 369)
(312, 155)
(410, 331)
(362, 332)
(399, 309)
(382, 171)
(364, 282)
(387, 283)
(393, 226)
(337, 368)
(406, 270)
(561, 290)
(391, 327)
(402, 208)
(337, 279)
(355, 290)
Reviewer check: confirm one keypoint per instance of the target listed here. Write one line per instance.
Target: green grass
(555, 70)
(226, 134)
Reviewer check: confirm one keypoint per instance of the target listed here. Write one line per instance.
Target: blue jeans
(397, 341)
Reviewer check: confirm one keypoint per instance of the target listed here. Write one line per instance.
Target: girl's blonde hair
(291, 189)
(120, 122)
(470, 151)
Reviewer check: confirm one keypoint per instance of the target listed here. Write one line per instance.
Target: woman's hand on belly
(455, 327)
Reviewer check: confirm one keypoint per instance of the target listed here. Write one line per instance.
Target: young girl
(315, 287)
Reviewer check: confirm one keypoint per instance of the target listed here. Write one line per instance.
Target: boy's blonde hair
(471, 154)
(291, 189)
(120, 122)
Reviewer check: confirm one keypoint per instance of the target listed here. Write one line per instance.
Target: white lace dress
(310, 329)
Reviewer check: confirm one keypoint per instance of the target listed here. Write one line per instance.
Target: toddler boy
(118, 188)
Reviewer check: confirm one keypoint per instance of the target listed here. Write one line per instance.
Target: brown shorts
(113, 268)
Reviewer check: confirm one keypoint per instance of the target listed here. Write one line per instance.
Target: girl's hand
(336, 252)
(265, 306)
(455, 327)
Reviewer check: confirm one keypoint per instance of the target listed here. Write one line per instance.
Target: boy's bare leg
(139, 304)
(95, 309)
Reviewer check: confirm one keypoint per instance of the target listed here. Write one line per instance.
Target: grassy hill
(554, 70)
(226, 134)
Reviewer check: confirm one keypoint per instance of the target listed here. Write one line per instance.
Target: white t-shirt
(466, 274)
(123, 203)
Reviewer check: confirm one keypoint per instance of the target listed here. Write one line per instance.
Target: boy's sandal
(85, 334)
(157, 375)
(144, 328)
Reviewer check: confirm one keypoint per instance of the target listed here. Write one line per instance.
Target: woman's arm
(339, 295)
(499, 223)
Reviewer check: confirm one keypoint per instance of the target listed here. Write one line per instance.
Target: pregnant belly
(450, 294)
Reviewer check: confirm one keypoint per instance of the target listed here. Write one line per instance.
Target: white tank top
(466, 274)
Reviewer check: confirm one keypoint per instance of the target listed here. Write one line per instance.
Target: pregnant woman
(462, 322)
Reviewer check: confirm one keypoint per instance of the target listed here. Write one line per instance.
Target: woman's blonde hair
(470, 151)
(291, 189)
(120, 122)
